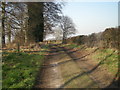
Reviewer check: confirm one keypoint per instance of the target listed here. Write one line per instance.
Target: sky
(92, 17)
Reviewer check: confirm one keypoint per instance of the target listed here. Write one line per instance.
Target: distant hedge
(107, 39)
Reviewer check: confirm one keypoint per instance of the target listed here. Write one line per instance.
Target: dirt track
(61, 69)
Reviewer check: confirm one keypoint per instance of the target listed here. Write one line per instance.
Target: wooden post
(18, 47)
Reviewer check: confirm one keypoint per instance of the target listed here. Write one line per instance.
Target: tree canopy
(27, 22)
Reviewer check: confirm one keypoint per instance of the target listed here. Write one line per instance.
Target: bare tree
(42, 17)
(3, 26)
(58, 33)
(28, 22)
(14, 22)
(67, 26)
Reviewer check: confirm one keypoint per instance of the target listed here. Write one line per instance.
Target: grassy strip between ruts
(20, 69)
(71, 45)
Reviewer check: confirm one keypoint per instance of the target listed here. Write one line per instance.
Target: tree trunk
(26, 37)
(26, 32)
(36, 21)
(18, 47)
(64, 37)
(9, 38)
(3, 25)
(9, 34)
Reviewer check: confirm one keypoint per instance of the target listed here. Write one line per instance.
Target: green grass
(45, 46)
(72, 45)
(20, 69)
(111, 62)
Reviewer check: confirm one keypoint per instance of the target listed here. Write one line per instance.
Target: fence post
(18, 47)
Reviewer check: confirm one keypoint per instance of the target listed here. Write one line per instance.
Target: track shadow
(73, 59)
(88, 72)
(41, 69)
(38, 76)
(58, 51)
(115, 83)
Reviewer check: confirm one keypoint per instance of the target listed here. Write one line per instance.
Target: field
(20, 69)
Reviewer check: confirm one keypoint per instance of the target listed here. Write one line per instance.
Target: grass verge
(111, 59)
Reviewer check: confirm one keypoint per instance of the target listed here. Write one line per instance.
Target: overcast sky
(90, 17)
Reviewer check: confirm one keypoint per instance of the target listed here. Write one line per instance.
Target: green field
(20, 69)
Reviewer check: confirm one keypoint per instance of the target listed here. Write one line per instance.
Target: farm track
(62, 69)
(55, 74)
